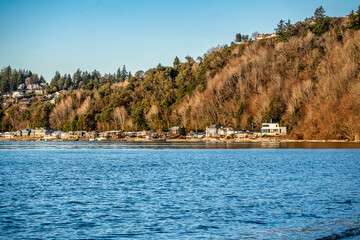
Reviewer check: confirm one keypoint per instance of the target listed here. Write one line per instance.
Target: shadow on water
(354, 232)
(174, 145)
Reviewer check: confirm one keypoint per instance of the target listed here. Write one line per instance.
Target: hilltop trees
(255, 35)
(10, 79)
(176, 62)
(61, 82)
(319, 13)
(322, 22)
(354, 20)
(238, 37)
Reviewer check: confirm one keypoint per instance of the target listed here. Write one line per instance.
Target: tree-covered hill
(308, 77)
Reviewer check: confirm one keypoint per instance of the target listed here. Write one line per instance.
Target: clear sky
(49, 35)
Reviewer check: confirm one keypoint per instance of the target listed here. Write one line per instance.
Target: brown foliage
(316, 78)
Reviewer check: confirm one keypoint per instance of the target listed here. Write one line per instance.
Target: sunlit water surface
(87, 190)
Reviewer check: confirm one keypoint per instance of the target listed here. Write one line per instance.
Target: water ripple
(178, 194)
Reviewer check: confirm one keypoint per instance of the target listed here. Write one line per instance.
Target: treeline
(121, 101)
(318, 24)
(88, 81)
(10, 79)
(306, 77)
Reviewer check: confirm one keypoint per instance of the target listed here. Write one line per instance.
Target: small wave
(206, 227)
(348, 233)
(255, 222)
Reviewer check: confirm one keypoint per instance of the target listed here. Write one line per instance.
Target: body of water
(109, 190)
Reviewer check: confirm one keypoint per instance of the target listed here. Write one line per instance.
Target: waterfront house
(143, 133)
(92, 134)
(23, 132)
(214, 130)
(177, 130)
(79, 133)
(9, 135)
(240, 134)
(56, 134)
(41, 132)
(49, 136)
(113, 134)
(200, 135)
(272, 128)
(130, 134)
(233, 131)
(64, 135)
(101, 134)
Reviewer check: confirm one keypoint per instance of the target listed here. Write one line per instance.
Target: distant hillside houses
(28, 93)
(32, 87)
(266, 36)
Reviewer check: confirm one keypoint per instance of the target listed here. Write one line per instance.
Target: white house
(272, 128)
(214, 130)
(9, 135)
(266, 36)
(130, 134)
(23, 132)
(41, 132)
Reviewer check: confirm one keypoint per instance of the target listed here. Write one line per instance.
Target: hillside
(308, 77)
(312, 84)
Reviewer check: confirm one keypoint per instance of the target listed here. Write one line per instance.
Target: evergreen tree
(176, 62)
(319, 13)
(354, 20)
(322, 23)
(189, 59)
(77, 78)
(118, 74)
(238, 37)
(124, 73)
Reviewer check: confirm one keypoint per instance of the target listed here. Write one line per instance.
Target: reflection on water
(173, 145)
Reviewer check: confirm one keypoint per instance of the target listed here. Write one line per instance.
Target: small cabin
(177, 130)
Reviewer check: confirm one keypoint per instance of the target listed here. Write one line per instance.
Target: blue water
(158, 191)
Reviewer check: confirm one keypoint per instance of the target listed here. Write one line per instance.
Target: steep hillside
(312, 84)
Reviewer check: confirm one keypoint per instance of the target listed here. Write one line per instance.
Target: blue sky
(49, 35)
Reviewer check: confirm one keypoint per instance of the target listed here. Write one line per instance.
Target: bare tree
(255, 35)
(120, 115)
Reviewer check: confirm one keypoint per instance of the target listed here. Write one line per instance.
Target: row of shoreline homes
(269, 128)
